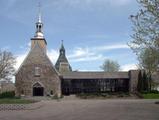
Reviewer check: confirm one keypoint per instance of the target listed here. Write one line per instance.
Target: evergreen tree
(145, 81)
(140, 82)
(150, 82)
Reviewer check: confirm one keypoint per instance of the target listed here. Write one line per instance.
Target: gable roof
(95, 75)
(37, 56)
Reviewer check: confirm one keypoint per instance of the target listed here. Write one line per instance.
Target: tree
(148, 59)
(145, 82)
(145, 35)
(140, 82)
(110, 66)
(7, 62)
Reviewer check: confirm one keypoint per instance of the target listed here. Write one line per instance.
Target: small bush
(148, 92)
(144, 92)
(154, 91)
(10, 94)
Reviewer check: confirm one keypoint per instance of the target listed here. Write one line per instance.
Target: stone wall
(25, 79)
(133, 75)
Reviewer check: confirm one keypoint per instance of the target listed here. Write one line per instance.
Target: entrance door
(38, 90)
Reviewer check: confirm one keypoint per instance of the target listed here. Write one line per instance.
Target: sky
(92, 30)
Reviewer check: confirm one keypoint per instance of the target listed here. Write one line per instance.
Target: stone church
(37, 76)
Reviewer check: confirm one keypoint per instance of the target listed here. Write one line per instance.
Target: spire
(39, 25)
(62, 64)
(62, 49)
(39, 13)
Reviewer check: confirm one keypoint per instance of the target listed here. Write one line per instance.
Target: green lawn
(151, 96)
(15, 101)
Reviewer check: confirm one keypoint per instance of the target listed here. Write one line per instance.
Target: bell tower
(62, 65)
(39, 36)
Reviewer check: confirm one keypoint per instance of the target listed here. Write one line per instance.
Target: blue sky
(92, 30)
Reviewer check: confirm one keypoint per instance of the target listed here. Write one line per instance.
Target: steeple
(39, 25)
(62, 65)
(39, 36)
(62, 49)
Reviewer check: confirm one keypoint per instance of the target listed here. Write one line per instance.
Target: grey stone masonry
(133, 75)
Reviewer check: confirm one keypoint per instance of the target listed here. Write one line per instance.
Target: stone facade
(48, 79)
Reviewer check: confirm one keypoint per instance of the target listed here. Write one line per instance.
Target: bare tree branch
(7, 62)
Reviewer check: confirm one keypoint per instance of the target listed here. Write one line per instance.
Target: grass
(151, 96)
(15, 101)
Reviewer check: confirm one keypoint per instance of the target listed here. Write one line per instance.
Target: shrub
(10, 94)
(154, 91)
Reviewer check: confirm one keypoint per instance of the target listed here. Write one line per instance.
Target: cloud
(128, 67)
(119, 2)
(112, 47)
(93, 53)
(97, 2)
(86, 4)
(53, 55)
(20, 58)
(84, 54)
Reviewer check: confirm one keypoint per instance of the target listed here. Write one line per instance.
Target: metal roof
(95, 75)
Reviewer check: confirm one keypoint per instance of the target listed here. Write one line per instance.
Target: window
(37, 71)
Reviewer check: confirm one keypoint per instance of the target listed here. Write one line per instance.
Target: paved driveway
(88, 110)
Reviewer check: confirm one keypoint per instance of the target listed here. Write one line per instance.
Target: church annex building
(37, 76)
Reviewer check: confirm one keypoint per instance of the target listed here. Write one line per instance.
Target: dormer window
(37, 71)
